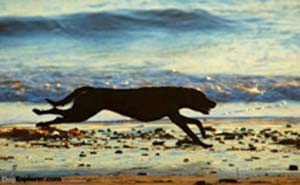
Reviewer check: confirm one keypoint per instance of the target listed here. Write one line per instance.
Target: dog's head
(198, 101)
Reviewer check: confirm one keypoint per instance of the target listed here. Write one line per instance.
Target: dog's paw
(42, 125)
(205, 136)
(207, 145)
(37, 111)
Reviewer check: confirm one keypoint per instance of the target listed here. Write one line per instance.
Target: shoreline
(21, 112)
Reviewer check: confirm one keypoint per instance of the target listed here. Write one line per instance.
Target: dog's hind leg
(181, 121)
(48, 123)
(49, 111)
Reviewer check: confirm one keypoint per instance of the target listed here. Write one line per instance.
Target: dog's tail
(70, 97)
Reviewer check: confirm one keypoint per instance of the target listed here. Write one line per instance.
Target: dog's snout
(212, 104)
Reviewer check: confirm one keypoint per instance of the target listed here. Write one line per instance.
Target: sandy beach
(167, 180)
(145, 153)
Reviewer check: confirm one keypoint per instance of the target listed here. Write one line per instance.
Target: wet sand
(141, 153)
(167, 180)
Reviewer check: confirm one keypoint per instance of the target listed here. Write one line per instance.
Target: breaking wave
(35, 86)
(91, 23)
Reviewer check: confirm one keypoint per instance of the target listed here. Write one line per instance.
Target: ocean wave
(124, 20)
(35, 86)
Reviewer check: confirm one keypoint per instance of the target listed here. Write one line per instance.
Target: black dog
(144, 104)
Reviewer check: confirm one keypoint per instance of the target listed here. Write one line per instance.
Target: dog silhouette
(143, 104)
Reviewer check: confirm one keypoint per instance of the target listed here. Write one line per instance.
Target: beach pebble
(229, 137)
(82, 154)
(81, 165)
(159, 131)
(241, 143)
(210, 128)
(255, 157)
(7, 157)
(218, 138)
(158, 143)
(213, 172)
(252, 147)
(228, 180)
(293, 167)
(183, 141)
(221, 142)
(201, 182)
(185, 160)
(274, 150)
(248, 159)
(274, 138)
(145, 136)
(243, 129)
(142, 174)
(118, 152)
(289, 141)
(166, 136)
(129, 146)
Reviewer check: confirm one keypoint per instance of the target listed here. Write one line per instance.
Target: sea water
(243, 54)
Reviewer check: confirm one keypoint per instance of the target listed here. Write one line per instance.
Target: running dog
(143, 104)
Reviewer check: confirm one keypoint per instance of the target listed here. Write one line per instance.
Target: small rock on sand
(145, 136)
(82, 154)
(201, 182)
(186, 160)
(159, 131)
(210, 128)
(81, 165)
(158, 143)
(118, 152)
(142, 174)
(289, 141)
(229, 180)
(293, 167)
(6, 157)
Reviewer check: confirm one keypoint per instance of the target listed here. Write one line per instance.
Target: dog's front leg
(181, 121)
(196, 122)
